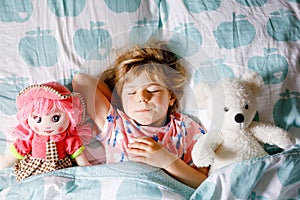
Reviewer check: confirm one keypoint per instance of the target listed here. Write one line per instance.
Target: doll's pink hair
(44, 98)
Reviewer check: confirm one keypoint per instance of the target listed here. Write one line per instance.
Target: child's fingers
(136, 151)
(140, 146)
(146, 140)
(146, 144)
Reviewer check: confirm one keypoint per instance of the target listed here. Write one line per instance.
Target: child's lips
(143, 110)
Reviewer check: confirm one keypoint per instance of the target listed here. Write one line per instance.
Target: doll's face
(53, 123)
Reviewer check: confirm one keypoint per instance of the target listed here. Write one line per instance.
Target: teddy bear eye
(226, 109)
(246, 106)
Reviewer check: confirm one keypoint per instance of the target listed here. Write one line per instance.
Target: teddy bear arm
(273, 135)
(203, 152)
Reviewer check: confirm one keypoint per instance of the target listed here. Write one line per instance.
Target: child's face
(146, 101)
(53, 123)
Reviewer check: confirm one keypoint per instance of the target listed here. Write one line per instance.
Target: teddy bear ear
(254, 81)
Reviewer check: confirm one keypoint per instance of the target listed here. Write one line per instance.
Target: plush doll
(233, 136)
(47, 139)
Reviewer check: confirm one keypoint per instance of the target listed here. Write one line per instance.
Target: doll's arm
(271, 134)
(7, 160)
(81, 160)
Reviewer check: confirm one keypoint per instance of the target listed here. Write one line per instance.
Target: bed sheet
(52, 40)
(126, 180)
(267, 178)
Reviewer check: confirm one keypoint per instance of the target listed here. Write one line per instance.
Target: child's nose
(143, 96)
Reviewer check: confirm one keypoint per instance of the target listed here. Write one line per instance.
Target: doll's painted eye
(37, 119)
(226, 109)
(246, 107)
(55, 118)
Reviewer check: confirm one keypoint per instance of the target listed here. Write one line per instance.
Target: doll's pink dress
(44, 154)
(178, 135)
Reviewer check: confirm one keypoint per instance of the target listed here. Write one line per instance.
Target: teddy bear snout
(239, 118)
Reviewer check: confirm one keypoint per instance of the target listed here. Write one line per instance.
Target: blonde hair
(160, 65)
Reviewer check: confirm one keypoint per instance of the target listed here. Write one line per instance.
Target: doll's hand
(148, 151)
(81, 160)
(7, 161)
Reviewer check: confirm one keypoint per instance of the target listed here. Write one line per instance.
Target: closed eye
(153, 91)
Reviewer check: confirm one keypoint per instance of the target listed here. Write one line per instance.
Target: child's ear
(172, 99)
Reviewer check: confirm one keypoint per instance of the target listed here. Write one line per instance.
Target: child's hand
(148, 151)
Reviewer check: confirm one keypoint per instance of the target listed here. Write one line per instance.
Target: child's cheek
(60, 129)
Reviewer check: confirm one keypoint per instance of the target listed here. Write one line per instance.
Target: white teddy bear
(234, 136)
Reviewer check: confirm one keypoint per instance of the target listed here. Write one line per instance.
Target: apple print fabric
(52, 40)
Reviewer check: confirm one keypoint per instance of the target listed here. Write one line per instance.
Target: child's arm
(147, 151)
(97, 96)
(186, 174)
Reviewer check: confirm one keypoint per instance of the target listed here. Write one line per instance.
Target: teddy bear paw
(203, 160)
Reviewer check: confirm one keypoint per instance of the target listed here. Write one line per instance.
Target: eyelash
(150, 91)
(153, 91)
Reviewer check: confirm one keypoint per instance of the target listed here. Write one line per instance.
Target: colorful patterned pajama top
(178, 136)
